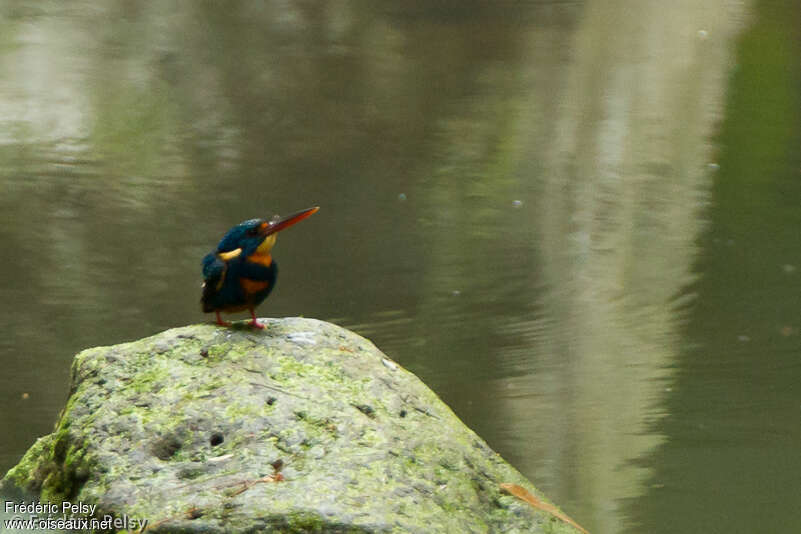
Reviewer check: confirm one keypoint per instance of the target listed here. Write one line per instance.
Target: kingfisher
(240, 273)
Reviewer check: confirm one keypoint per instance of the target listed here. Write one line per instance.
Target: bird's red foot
(255, 322)
(221, 322)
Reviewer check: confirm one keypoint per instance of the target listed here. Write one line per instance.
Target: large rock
(304, 427)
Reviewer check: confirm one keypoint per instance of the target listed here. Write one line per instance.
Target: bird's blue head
(247, 236)
(258, 235)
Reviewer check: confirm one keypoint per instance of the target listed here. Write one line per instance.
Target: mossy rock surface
(185, 429)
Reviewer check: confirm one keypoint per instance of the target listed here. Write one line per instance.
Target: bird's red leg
(254, 323)
(220, 321)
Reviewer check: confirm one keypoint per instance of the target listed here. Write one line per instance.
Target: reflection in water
(624, 182)
(731, 459)
(511, 198)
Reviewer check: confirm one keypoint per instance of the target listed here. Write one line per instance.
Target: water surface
(575, 221)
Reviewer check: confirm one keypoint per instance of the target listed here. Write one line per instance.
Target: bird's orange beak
(280, 223)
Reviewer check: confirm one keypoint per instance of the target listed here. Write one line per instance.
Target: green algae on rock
(189, 429)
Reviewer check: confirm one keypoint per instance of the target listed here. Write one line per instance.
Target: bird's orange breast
(261, 259)
(253, 286)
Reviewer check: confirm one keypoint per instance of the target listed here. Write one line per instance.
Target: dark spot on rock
(366, 409)
(194, 513)
(277, 465)
(478, 445)
(190, 473)
(486, 475)
(423, 489)
(300, 415)
(216, 439)
(204, 353)
(445, 464)
(402, 413)
(79, 478)
(271, 401)
(425, 412)
(60, 448)
(165, 447)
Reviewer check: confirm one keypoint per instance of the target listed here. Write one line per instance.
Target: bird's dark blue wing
(213, 267)
(214, 270)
